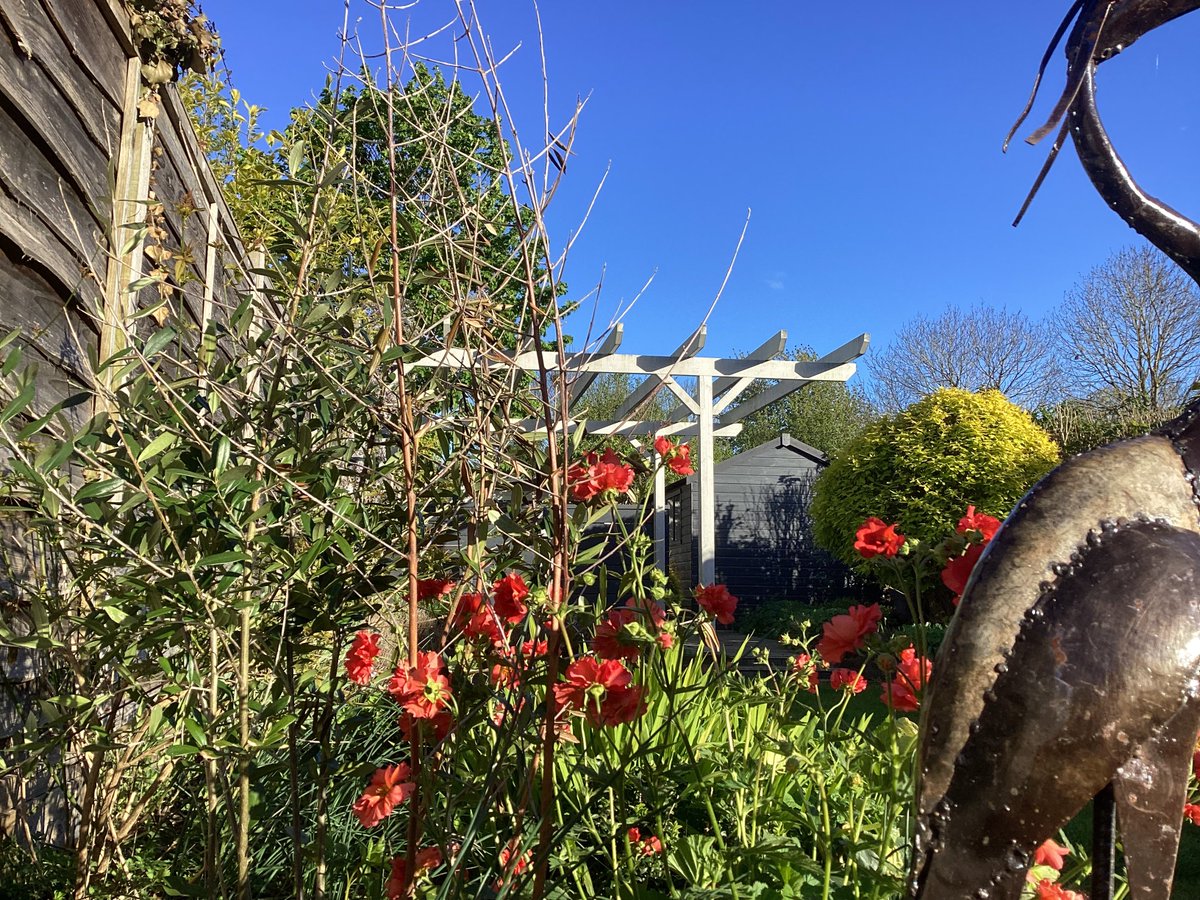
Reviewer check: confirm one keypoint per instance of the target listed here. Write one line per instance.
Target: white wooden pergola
(705, 415)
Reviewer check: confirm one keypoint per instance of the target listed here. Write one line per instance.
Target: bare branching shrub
(974, 348)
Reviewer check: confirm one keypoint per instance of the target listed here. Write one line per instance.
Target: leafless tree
(975, 348)
(1130, 331)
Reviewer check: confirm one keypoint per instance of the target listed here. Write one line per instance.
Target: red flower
(1048, 854)
(1191, 812)
(1048, 890)
(678, 457)
(848, 679)
(847, 633)
(426, 858)
(634, 833)
(360, 659)
(958, 571)
(518, 863)
(602, 689)
(604, 476)
(430, 588)
(389, 788)
(622, 707)
(644, 846)
(912, 672)
(612, 640)
(534, 649)
(434, 729)
(681, 464)
(510, 591)
(648, 609)
(651, 846)
(716, 600)
(804, 666)
(876, 538)
(423, 690)
(474, 617)
(986, 525)
(665, 640)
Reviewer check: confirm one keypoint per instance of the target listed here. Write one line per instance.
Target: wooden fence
(82, 175)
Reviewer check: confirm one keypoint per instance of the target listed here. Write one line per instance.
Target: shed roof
(768, 448)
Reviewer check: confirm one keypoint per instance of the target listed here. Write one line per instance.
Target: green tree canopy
(923, 466)
(461, 237)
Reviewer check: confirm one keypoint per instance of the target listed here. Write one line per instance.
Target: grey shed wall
(764, 543)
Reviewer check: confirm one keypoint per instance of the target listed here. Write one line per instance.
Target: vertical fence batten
(81, 170)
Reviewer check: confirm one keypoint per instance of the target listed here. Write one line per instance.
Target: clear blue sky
(864, 137)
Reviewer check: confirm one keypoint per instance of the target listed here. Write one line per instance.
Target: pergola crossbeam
(631, 364)
(835, 360)
(608, 346)
(648, 388)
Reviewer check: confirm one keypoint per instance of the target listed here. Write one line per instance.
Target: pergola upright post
(708, 506)
(660, 514)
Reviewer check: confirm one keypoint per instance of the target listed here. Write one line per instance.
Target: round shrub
(923, 466)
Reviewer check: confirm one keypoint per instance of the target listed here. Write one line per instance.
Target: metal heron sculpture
(1072, 668)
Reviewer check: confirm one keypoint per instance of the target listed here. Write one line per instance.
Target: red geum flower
(912, 672)
(634, 833)
(505, 676)
(606, 476)
(429, 588)
(806, 667)
(716, 600)
(1049, 853)
(648, 609)
(423, 690)
(875, 537)
(434, 729)
(621, 707)
(602, 690)
(1191, 812)
(665, 640)
(847, 679)
(958, 570)
(360, 659)
(612, 640)
(847, 633)
(986, 525)
(650, 846)
(426, 858)
(678, 457)
(511, 864)
(510, 591)
(389, 788)
(681, 464)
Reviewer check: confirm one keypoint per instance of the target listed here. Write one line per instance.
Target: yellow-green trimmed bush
(921, 467)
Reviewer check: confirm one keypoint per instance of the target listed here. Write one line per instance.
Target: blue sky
(865, 139)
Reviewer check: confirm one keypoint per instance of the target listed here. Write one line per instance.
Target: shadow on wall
(766, 551)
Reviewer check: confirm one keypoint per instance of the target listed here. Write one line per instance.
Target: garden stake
(1072, 668)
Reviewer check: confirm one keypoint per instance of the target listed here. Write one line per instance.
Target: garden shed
(764, 543)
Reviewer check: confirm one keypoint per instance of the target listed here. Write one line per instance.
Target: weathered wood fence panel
(82, 176)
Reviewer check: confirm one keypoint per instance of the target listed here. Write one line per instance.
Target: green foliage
(922, 467)
(1081, 425)
(824, 414)
(793, 618)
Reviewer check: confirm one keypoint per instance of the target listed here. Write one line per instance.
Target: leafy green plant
(921, 468)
